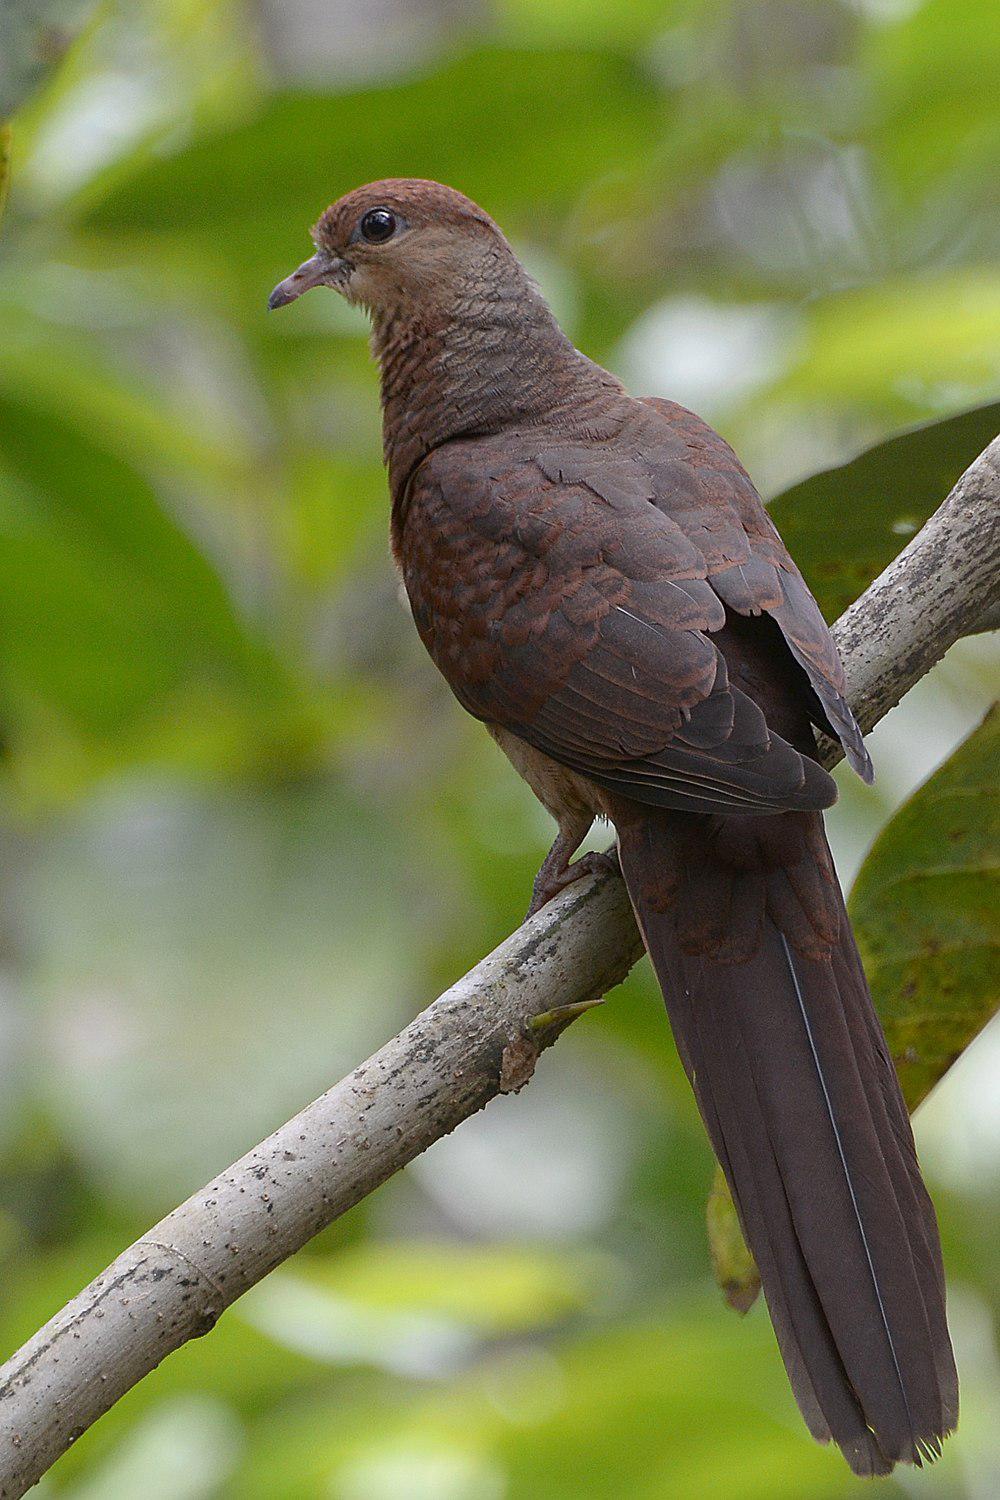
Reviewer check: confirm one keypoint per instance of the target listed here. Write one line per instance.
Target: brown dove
(597, 579)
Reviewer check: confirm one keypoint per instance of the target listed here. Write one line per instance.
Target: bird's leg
(556, 872)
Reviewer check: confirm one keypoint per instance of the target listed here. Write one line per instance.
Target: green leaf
(60, 371)
(844, 525)
(734, 1267)
(110, 613)
(926, 911)
(494, 1289)
(933, 130)
(421, 1309)
(901, 345)
(641, 1409)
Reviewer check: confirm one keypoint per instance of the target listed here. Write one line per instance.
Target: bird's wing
(698, 478)
(562, 605)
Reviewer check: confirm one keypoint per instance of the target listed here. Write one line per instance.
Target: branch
(479, 1039)
(942, 586)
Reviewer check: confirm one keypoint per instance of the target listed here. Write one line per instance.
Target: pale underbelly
(564, 793)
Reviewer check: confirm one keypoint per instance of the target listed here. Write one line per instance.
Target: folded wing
(564, 606)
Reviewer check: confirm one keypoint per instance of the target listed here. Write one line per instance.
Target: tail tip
(861, 762)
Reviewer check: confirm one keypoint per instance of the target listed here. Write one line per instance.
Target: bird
(598, 581)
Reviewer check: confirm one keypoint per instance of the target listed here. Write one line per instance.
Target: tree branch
(942, 586)
(479, 1039)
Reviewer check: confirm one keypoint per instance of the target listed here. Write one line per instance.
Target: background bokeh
(244, 831)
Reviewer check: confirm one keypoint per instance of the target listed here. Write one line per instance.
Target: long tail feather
(858, 1216)
(748, 934)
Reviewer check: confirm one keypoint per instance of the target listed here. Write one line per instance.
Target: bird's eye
(378, 225)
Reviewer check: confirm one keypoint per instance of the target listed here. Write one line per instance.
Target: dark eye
(378, 225)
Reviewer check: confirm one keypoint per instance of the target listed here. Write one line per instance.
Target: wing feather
(570, 595)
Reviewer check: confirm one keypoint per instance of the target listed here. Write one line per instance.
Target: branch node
(561, 1015)
(517, 1063)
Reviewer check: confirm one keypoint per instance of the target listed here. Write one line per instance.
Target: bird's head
(464, 338)
(397, 242)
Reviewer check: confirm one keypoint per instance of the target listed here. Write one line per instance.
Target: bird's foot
(549, 882)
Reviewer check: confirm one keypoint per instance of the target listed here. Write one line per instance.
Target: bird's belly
(561, 791)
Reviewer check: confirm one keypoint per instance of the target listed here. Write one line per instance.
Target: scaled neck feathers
(490, 355)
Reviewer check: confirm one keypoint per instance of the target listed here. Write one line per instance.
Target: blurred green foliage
(244, 830)
(34, 37)
(925, 910)
(844, 525)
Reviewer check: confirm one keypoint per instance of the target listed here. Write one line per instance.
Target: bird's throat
(479, 366)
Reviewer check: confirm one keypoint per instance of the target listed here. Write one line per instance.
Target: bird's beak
(320, 269)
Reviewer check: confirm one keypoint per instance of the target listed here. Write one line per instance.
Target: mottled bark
(944, 585)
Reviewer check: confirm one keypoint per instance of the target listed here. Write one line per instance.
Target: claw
(549, 883)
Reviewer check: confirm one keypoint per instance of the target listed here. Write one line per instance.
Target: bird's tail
(747, 931)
